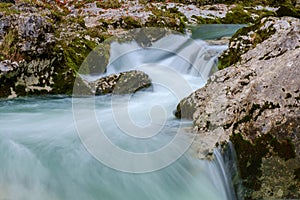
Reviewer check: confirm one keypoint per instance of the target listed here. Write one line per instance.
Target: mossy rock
(288, 10)
(74, 52)
(130, 23)
(277, 145)
(238, 15)
(8, 48)
(241, 42)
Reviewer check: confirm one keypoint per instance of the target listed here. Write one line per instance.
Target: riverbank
(43, 44)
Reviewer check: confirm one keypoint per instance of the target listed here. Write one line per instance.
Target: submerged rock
(256, 104)
(122, 83)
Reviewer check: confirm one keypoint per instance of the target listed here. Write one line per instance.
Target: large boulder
(122, 83)
(256, 104)
(46, 50)
(27, 41)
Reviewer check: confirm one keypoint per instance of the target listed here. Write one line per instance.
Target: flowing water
(43, 157)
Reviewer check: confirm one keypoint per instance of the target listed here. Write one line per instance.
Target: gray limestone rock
(122, 83)
(256, 104)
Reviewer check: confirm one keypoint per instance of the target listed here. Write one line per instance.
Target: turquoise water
(44, 141)
(214, 31)
(42, 157)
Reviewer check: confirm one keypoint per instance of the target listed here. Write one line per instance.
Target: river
(51, 147)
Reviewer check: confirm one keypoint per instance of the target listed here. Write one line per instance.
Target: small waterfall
(226, 161)
(43, 157)
(186, 56)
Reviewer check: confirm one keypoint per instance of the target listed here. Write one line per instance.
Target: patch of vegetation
(8, 48)
(130, 22)
(202, 20)
(233, 54)
(8, 8)
(229, 2)
(77, 20)
(75, 52)
(97, 32)
(170, 18)
(109, 4)
(279, 143)
(238, 16)
(287, 10)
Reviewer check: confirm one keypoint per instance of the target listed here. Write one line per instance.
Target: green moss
(97, 32)
(237, 16)
(229, 59)
(287, 10)
(202, 20)
(131, 23)
(240, 14)
(63, 81)
(75, 52)
(97, 60)
(233, 54)
(76, 20)
(170, 18)
(8, 48)
(249, 158)
(109, 4)
(229, 2)
(8, 8)
(252, 149)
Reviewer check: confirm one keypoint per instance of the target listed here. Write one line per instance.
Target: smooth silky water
(43, 158)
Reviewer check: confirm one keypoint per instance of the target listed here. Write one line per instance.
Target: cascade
(43, 157)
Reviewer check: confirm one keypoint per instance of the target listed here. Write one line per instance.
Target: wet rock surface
(256, 104)
(122, 83)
